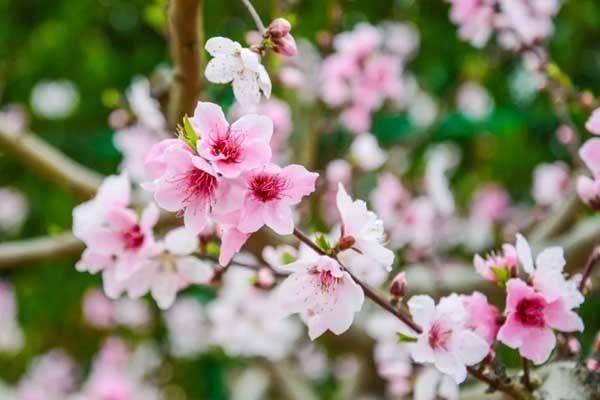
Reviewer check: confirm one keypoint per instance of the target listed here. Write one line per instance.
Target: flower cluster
(365, 70)
(589, 188)
(516, 22)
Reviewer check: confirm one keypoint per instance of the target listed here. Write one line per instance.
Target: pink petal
(559, 317)
(537, 345)
(590, 154)
(209, 121)
(254, 127)
(232, 241)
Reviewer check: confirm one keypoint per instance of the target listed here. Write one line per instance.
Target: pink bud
(286, 46)
(398, 288)
(573, 345)
(279, 28)
(592, 364)
(266, 278)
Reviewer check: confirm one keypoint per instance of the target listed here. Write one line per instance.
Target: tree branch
(50, 163)
(184, 35)
(29, 251)
(559, 219)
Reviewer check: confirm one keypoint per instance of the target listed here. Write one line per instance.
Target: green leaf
(502, 275)
(323, 243)
(402, 338)
(287, 258)
(187, 133)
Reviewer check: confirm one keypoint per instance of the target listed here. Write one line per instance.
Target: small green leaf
(187, 133)
(287, 258)
(402, 338)
(323, 243)
(502, 275)
(212, 249)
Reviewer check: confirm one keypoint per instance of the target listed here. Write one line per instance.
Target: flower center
(199, 184)
(531, 312)
(439, 337)
(133, 237)
(267, 187)
(228, 147)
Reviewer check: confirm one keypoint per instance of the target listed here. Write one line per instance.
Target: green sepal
(323, 243)
(402, 338)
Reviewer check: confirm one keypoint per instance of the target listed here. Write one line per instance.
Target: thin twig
(259, 24)
(184, 25)
(589, 267)
(526, 380)
(47, 161)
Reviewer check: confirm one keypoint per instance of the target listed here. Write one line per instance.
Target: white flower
(54, 99)
(445, 341)
(232, 62)
(246, 321)
(187, 326)
(366, 152)
(325, 296)
(362, 236)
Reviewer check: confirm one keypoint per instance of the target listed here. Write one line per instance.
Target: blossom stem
(589, 267)
(255, 16)
(498, 385)
(526, 380)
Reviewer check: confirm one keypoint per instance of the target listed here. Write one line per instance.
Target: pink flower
(324, 295)
(283, 42)
(358, 43)
(446, 341)
(593, 122)
(483, 317)
(475, 18)
(533, 311)
(171, 271)
(356, 119)
(232, 239)
(191, 185)
(490, 202)
(495, 265)
(270, 192)
(154, 161)
(231, 149)
(550, 183)
(365, 151)
(134, 143)
(113, 234)
(388, 197)
(587, 188)
(530, 319)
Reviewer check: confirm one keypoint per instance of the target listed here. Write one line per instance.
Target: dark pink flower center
(267, 187)
(199, 184)
(228, 148)
(327, 280)
(439, 337)
(531, 312)
(133, 237)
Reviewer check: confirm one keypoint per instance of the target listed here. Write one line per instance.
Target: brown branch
(184, 36)
(50, 163)
(589, 267)
(559, 219)
(259, 24)
(28, 251)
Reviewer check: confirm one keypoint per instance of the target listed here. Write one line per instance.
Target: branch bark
(184, 35)
(29, 251)
(50, 163)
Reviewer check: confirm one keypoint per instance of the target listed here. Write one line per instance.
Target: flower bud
(573, 345)
(346, 242)
(398, 288)
(266, 279)
(279, 28)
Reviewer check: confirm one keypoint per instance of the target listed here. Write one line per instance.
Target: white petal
(246, 89)
(222, 69)
(181, 241)
(164, 290)
(194, 270)
(222, 46)
(551, 258)
(422, 309)
(524, 254)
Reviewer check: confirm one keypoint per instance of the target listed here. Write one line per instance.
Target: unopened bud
(398, 288)
(586, 100)
(573, 345)
(279, 28)
(592, 364)
(346, 242)
(266, 279)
